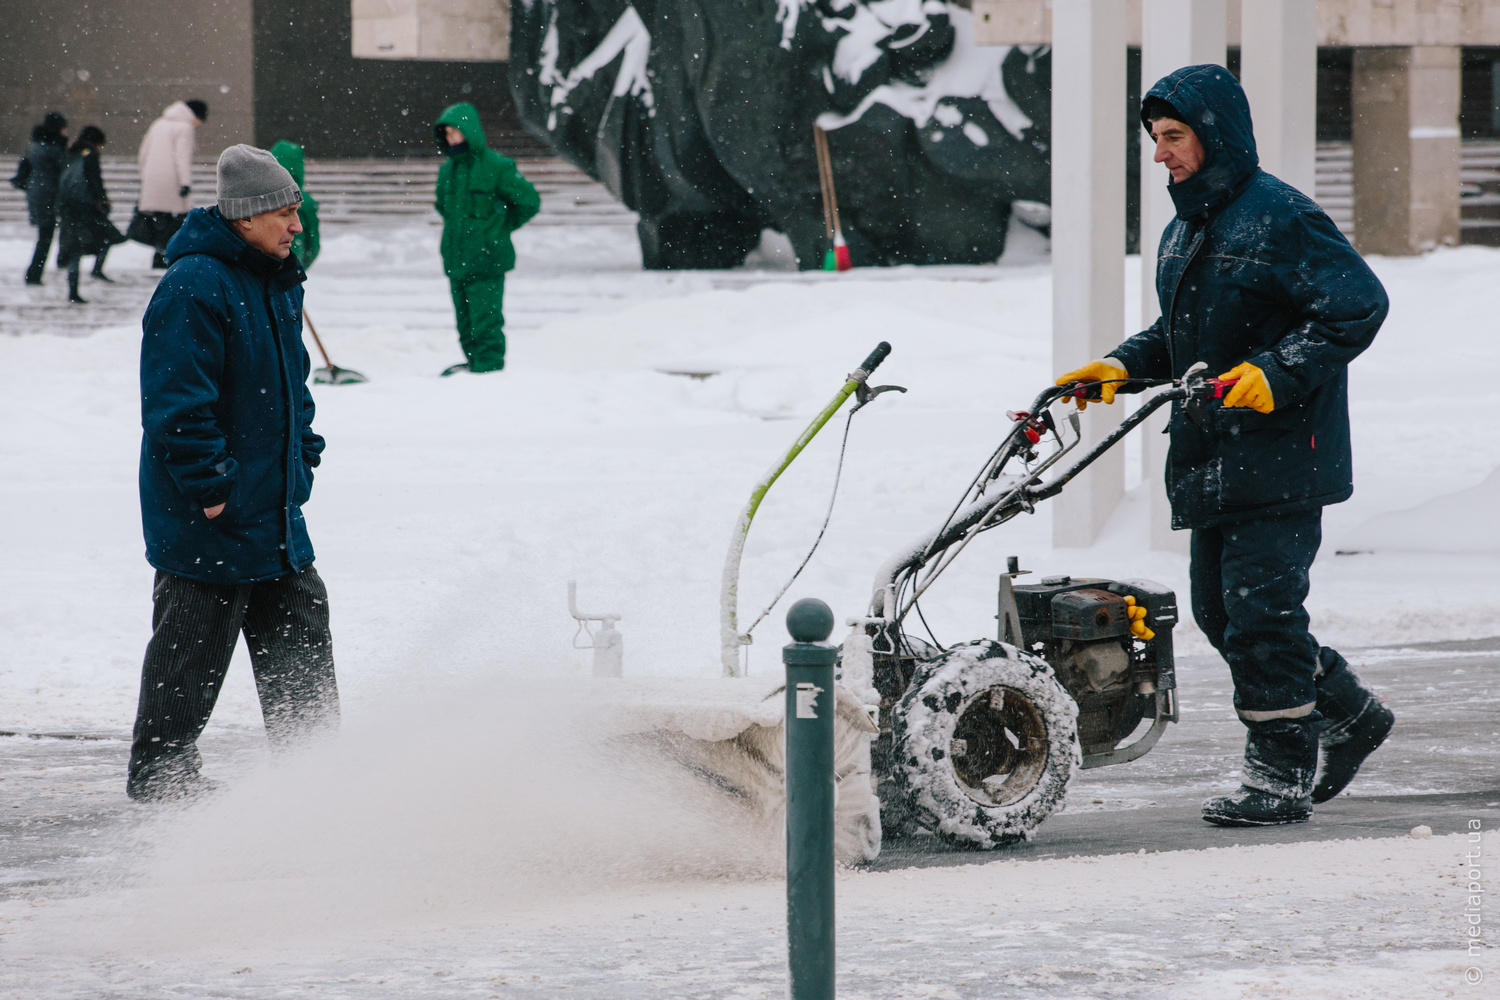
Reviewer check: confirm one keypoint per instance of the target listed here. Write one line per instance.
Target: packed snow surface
(464, 837)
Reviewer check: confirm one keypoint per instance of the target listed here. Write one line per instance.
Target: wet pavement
(63, 809)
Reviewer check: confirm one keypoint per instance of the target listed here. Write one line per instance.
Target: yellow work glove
(1095, 371)
(1138, 620)
(1252, 390)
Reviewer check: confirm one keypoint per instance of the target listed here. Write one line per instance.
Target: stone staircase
(351, 192)
(392, 193)
(1479, 179)
(398, 193)
(372, 191)
(1335, 184)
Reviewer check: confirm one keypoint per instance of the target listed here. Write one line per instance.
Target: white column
(1174, 34)
(1279, 68)
(1088, 235)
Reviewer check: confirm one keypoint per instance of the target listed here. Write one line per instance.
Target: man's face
(454, 136)
(271, 232)
(1177, 147)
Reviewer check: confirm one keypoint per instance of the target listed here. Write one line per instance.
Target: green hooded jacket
(482, 198)
(306, 243)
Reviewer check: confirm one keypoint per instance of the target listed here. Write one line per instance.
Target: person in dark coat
(83, 209)
(227, 462)
(39, 171)
(1256, 282)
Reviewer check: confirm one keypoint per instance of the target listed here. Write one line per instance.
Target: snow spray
(501, 800)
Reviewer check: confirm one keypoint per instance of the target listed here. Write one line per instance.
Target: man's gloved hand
(1252, 389)
(1096, 371)
(1138, 627)
(184, 191)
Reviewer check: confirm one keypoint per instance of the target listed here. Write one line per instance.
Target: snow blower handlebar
(855, 385)
(980, 510)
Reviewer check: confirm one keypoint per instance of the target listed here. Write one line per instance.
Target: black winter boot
(1355, 723)
(1281, 756)
(73, 295)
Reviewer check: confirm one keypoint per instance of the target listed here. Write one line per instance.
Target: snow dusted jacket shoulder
(226, 411)
(1253, 270)
(166, 161)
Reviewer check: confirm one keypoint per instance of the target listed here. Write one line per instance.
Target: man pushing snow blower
(1256, 281)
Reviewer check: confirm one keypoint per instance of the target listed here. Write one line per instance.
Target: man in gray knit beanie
(259, 199)
(226, 466)
(252, 182)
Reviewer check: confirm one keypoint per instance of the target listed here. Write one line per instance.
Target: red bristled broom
(837, 257)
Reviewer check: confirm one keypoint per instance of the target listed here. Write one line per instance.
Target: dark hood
(465, 118)
(50, 129)
(205, 231)
(1213, 105)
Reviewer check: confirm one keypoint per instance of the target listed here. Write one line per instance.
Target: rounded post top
(809, 620)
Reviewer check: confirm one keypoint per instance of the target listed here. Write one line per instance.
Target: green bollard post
(810, 790)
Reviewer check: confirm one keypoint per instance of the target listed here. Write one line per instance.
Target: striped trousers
(194, 629)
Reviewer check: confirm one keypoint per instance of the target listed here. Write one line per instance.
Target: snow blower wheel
(986, 741)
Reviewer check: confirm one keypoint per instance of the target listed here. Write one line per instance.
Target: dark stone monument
(698, 115)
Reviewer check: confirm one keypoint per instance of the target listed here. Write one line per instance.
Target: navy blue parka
(226, 410)
(1251, 269)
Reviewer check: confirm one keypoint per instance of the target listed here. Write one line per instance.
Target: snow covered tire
(984, 744)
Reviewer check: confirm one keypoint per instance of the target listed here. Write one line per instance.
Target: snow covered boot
(1355, 723)
(171, 778)
(1281, 756)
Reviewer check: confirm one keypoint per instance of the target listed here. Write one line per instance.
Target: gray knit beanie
(252, 182)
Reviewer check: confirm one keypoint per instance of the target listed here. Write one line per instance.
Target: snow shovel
(837, 257)
(331, 374)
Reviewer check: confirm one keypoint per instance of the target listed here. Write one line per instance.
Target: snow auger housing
(979, 741)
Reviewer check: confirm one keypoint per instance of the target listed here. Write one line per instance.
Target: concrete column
(1088, 234)
(1279, 69)
(1174, 33)
(1406, 148)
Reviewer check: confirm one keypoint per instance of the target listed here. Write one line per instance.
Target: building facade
(269, 70)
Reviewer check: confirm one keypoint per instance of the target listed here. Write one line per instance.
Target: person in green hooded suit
(305, 245)
(482, 198)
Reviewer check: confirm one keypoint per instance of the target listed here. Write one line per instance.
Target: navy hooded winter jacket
(1251, 269)
(226, 410)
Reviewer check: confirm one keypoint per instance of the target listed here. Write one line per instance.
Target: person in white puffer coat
(166, 163)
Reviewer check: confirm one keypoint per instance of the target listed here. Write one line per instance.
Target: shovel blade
(337, 376)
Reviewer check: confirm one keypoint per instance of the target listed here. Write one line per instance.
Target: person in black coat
(83, 208)
(39, 171)
(1256, 282)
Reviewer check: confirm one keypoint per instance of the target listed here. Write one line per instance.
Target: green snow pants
(481, 323)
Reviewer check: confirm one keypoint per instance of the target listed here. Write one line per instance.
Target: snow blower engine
(978, 741)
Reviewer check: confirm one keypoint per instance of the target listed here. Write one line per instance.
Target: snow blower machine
(974, 744)
(978, 742)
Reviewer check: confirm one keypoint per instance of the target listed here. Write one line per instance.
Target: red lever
(1220, 385)
(1032, 430)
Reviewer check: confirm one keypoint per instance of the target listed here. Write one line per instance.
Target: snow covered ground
(449, 515)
